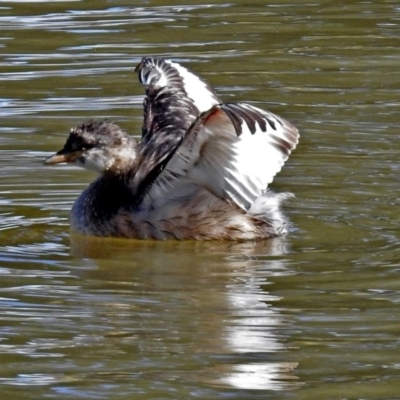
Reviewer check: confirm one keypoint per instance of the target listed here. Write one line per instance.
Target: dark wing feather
(174, 99)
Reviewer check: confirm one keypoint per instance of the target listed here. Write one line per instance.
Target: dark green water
(313, 317)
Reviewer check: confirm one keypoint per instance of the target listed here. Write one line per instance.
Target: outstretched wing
(174, 99)
(232, 150)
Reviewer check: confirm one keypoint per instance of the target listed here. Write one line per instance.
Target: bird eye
(87, 147)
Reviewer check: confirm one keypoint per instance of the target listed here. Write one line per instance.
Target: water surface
(314, 316)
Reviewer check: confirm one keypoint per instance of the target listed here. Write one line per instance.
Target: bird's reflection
(251, 332)
(220, 304)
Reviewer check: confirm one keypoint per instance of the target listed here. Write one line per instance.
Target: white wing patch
(256, 158)
(196, 89)
(232, 150)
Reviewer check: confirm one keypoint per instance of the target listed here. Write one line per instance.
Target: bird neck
(100, 202)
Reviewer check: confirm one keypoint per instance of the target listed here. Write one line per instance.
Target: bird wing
(232, 150)
(158, 73)
(174, 98)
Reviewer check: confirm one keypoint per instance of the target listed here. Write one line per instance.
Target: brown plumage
(200, 170)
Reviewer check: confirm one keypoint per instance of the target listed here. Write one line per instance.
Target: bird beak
(62, 157)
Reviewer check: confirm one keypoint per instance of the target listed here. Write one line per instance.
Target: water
(314, 316)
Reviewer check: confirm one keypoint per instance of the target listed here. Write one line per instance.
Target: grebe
(200, 171)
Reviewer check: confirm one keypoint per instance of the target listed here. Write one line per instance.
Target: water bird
(200, 171)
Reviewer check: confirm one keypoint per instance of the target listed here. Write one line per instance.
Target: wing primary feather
(282, 145)
(271, 123)
(234, 117)
(252, 116)
(238, 113)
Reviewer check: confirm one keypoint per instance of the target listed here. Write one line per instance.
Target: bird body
(200, 171)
